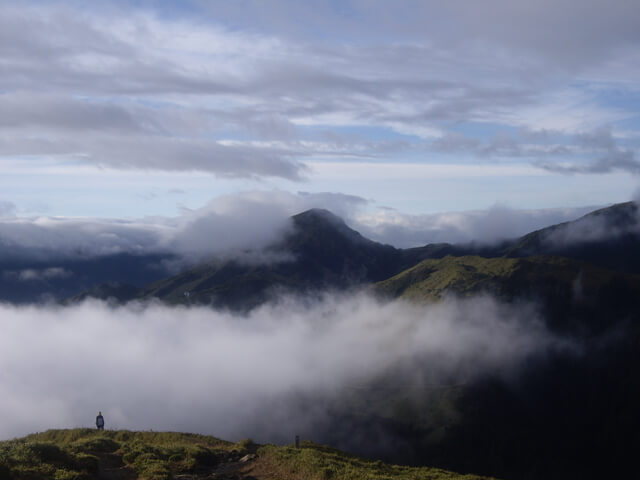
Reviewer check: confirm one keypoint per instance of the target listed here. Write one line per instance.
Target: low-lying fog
(196, 369)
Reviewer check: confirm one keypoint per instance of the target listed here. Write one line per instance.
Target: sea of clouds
(196, 369)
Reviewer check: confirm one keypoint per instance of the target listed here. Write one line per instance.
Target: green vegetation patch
(432, 278)
(76, 454)
(541, 276)
(318, 462)
(95, 444)
(157, 456)
(22, 460)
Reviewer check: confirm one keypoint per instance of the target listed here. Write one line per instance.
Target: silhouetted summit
(320, 252)
(319, 220)
(609, 237)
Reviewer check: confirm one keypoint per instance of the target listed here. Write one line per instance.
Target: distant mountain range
(322, 253)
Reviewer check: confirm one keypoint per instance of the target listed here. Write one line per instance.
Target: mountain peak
(317, 220)
(318, 214)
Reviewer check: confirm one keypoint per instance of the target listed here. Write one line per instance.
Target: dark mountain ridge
(323, 253)
(320, 253)
(609, 237)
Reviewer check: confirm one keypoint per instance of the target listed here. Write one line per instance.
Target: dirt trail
(110, 467)
(256, 469)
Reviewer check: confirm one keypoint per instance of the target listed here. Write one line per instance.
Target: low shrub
(132, 451)
(247, 446)
(203, 455)
(177, 457)
(5, 472)
(87, 462)
(47, 452)
(95, 444)
(62, 474)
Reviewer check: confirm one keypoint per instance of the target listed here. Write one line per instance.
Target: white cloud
(596, 227)
(481, 226)
(237, 225)
(404, 170)
(150, 92)
(200, 370)
(242, 225)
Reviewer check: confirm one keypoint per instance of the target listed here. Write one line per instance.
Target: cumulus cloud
(195, 369)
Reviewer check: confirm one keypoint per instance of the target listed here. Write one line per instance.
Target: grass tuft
(76, 455)
(319, 462)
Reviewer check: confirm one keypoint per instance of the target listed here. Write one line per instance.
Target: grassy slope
(77, 455)
(318, 462)
(574, 297)
(506, 277)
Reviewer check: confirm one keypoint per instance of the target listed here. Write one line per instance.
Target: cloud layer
(480, 226)
(254, 93)
(241, 225)
(195, 369)
(228, 226)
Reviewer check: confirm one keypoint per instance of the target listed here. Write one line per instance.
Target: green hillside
(84, 454)
(505, 277)
(574, 297)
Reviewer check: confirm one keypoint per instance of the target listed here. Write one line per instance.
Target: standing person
(100, 421)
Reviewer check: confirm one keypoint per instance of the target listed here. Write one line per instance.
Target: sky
(405, 110)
